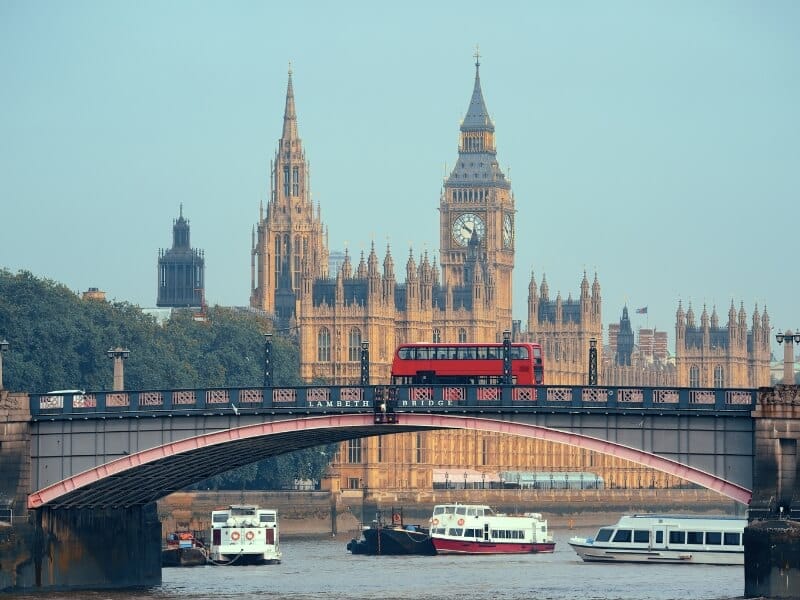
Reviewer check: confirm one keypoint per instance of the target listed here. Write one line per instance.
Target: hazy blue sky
(657, 143)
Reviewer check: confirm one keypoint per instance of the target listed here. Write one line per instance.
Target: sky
(656, 144)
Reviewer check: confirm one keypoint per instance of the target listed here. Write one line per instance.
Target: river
(314, 568)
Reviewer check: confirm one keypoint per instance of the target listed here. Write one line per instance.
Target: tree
(59, 341)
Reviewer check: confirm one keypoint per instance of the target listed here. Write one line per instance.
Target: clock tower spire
(477, 200)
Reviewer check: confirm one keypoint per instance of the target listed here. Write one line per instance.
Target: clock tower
(477, 211)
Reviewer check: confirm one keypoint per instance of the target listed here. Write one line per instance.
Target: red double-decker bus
(470, 364)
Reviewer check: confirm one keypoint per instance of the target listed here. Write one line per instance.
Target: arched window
(354, 345)
(324, 345)
(694, 376)
(719, 376)
(462, 336)
(437, 335)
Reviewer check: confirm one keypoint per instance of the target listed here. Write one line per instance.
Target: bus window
(405, 353)
(441, 353)
(493, 352)
(482, 352)
(451, 352)
(423, 353)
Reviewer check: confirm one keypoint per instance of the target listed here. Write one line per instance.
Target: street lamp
(788, 354)
(446, 480)
(118, 354)
(592, 361)
(465, 480)
(365, 363)
(267, 360)
(3, 348)
(507, 377)
(483, 481)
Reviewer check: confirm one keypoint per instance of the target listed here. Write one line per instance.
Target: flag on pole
(641, 311)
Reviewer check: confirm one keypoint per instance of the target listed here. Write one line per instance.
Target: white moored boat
(477, 529)
(650, 538)
(244, 535)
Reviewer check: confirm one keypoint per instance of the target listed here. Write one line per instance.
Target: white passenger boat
(477, 529)
(651, 538)
(244, 535)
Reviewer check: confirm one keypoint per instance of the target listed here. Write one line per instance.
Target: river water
(315, 568)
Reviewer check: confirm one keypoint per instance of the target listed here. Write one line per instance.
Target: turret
(361, 272)
(389, 282)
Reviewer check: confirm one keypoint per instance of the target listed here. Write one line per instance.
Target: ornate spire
(289, 115)
(477, 118)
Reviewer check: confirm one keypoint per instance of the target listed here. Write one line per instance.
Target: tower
(291, 233)
(181, 269)
(476, 213)
(624, 340)
(715, 355)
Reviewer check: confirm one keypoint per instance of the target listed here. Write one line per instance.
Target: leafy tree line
(59, 341)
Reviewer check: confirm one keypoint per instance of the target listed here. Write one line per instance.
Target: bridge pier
(98, 548)
(772, 538)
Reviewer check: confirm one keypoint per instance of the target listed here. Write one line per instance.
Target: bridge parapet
(407, 398)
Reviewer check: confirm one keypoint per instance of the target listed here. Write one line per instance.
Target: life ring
(249, 535)
(460, 522)
(235, 536)
(396, 518)
(435, 521)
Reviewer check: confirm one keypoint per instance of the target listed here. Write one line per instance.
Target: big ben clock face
(508, 231)
(465, 225)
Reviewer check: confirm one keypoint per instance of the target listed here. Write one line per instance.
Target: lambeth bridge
(93, 464)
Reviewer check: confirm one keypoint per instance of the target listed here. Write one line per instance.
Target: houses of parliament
(462, 295)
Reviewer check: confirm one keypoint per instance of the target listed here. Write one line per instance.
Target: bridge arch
(150, 474)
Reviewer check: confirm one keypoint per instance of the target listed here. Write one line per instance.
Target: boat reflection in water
(649, 538)
(392, 538)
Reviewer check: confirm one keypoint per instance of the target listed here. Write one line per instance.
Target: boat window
(268, 518)
(243, 511)
(694, 537)
(732, 539)
(438, 510)
(219, 518)
(622, 535)
(641, 536)
(461, 510)
(604, 535)
(471, 533)
(713, 538)
(449, 509)
(472, 512)
(659, 537)
(677, 537)
(456, 531)
(439, 531)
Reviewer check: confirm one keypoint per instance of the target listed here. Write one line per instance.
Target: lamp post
(465, 480)
(592, 361)
(267, 360)
(3, 348)
(446, 480)
(483, 481)
(118, 354)
(364, 363)
(507, 378)
(788, 354)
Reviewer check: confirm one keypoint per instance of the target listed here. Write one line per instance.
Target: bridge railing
(418, 398)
